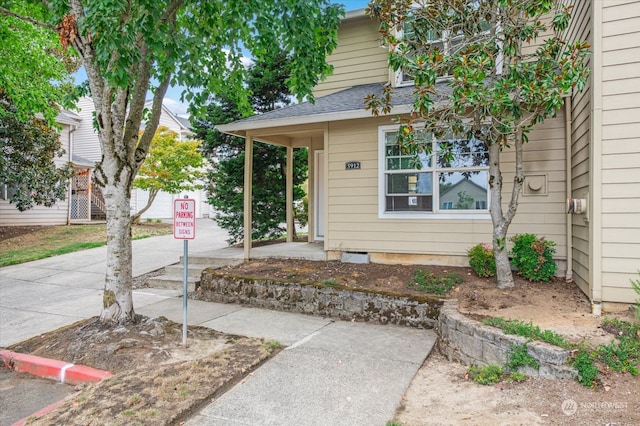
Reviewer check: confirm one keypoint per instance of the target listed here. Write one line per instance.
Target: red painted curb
(61, 371)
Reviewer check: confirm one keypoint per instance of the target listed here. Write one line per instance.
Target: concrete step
(177, 270)
(172, 282)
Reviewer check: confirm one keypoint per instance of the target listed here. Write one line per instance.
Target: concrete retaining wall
(470, 342)
(461, 339)
(330, 301)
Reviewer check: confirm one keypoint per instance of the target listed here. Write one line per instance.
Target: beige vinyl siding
(40, 215)
(354, 224)
(620, 182)
(580, 29)
(358, 58)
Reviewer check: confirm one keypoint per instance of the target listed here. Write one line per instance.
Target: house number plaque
(352, 165)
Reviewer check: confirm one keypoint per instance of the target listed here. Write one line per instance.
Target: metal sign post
(184, 228)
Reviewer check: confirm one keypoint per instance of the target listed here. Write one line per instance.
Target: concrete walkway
(332, 372)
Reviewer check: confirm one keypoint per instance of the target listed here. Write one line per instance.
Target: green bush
(481, 260)
(533, 257)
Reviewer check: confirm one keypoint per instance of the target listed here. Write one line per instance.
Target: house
(87, 146)
(75, 206)
(365, 198)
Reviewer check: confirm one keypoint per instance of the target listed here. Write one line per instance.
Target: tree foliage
(129, 49)
(488, 70)
(171, 166)
(35, 72)
(27, 166)
(267, 81)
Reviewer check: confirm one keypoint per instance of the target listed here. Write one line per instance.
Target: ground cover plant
(621, 354)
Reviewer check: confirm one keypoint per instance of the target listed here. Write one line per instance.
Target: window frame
(437, 212)
(397, 77)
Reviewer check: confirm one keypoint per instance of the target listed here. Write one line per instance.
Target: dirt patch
(157, 381)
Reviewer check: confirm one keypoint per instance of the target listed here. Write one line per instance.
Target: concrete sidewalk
(332, 372)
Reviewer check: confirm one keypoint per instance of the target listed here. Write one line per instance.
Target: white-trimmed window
(448, 177)
(445, 42)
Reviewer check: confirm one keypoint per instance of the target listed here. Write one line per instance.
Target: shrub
(481, 260)
(533, 257)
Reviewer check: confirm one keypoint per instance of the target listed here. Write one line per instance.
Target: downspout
(568, 177)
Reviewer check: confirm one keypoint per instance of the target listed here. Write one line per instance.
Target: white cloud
(176, 107)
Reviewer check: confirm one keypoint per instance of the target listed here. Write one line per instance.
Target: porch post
(248, 184)
(289, 197)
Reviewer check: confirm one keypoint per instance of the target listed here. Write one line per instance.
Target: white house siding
(354, 225)
(85, 138)
(40, 215)
(620, 149)
(358, 59)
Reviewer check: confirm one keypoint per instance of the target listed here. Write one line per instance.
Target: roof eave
(241, 129)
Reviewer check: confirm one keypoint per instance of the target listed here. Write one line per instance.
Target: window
(450, 175)
(446, 42)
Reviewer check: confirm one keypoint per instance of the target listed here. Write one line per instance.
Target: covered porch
(312, 137)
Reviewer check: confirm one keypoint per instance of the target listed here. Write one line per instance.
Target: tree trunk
(117, 299)
(500, 225)
(152, 196)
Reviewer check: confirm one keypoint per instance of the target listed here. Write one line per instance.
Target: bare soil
(158, 382)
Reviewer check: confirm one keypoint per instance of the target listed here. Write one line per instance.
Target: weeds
(528, 330)
(492, 374)
(428, 282)
(519, 357)
(330, 281)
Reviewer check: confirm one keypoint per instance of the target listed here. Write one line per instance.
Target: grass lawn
(20, 244)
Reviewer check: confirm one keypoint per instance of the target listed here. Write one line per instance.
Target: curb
(61, 371)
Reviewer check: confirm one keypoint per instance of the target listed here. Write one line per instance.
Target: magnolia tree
(135, 48)
(486, 70)
(171, 166)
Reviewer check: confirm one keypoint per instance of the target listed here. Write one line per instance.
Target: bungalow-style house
(365, 197)
(76, 206)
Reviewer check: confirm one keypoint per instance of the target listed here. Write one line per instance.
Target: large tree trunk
(117, 299)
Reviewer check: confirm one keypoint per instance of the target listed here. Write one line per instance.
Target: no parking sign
(184, 219)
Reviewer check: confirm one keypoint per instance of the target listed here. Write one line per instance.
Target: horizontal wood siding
(354, 225)
(358, 58)
(620, 149)
(85, 138)
(40, 215)
(580, 29)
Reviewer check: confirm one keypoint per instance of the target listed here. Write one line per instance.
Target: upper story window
(448, 175)
(444, 42)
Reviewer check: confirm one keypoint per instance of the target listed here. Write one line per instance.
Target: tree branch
(7, 12)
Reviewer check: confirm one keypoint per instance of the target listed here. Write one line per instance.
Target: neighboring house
(365, 197)
(74, 207)
(88, 146)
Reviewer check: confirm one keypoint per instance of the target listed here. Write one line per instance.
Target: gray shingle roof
(351, 99)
